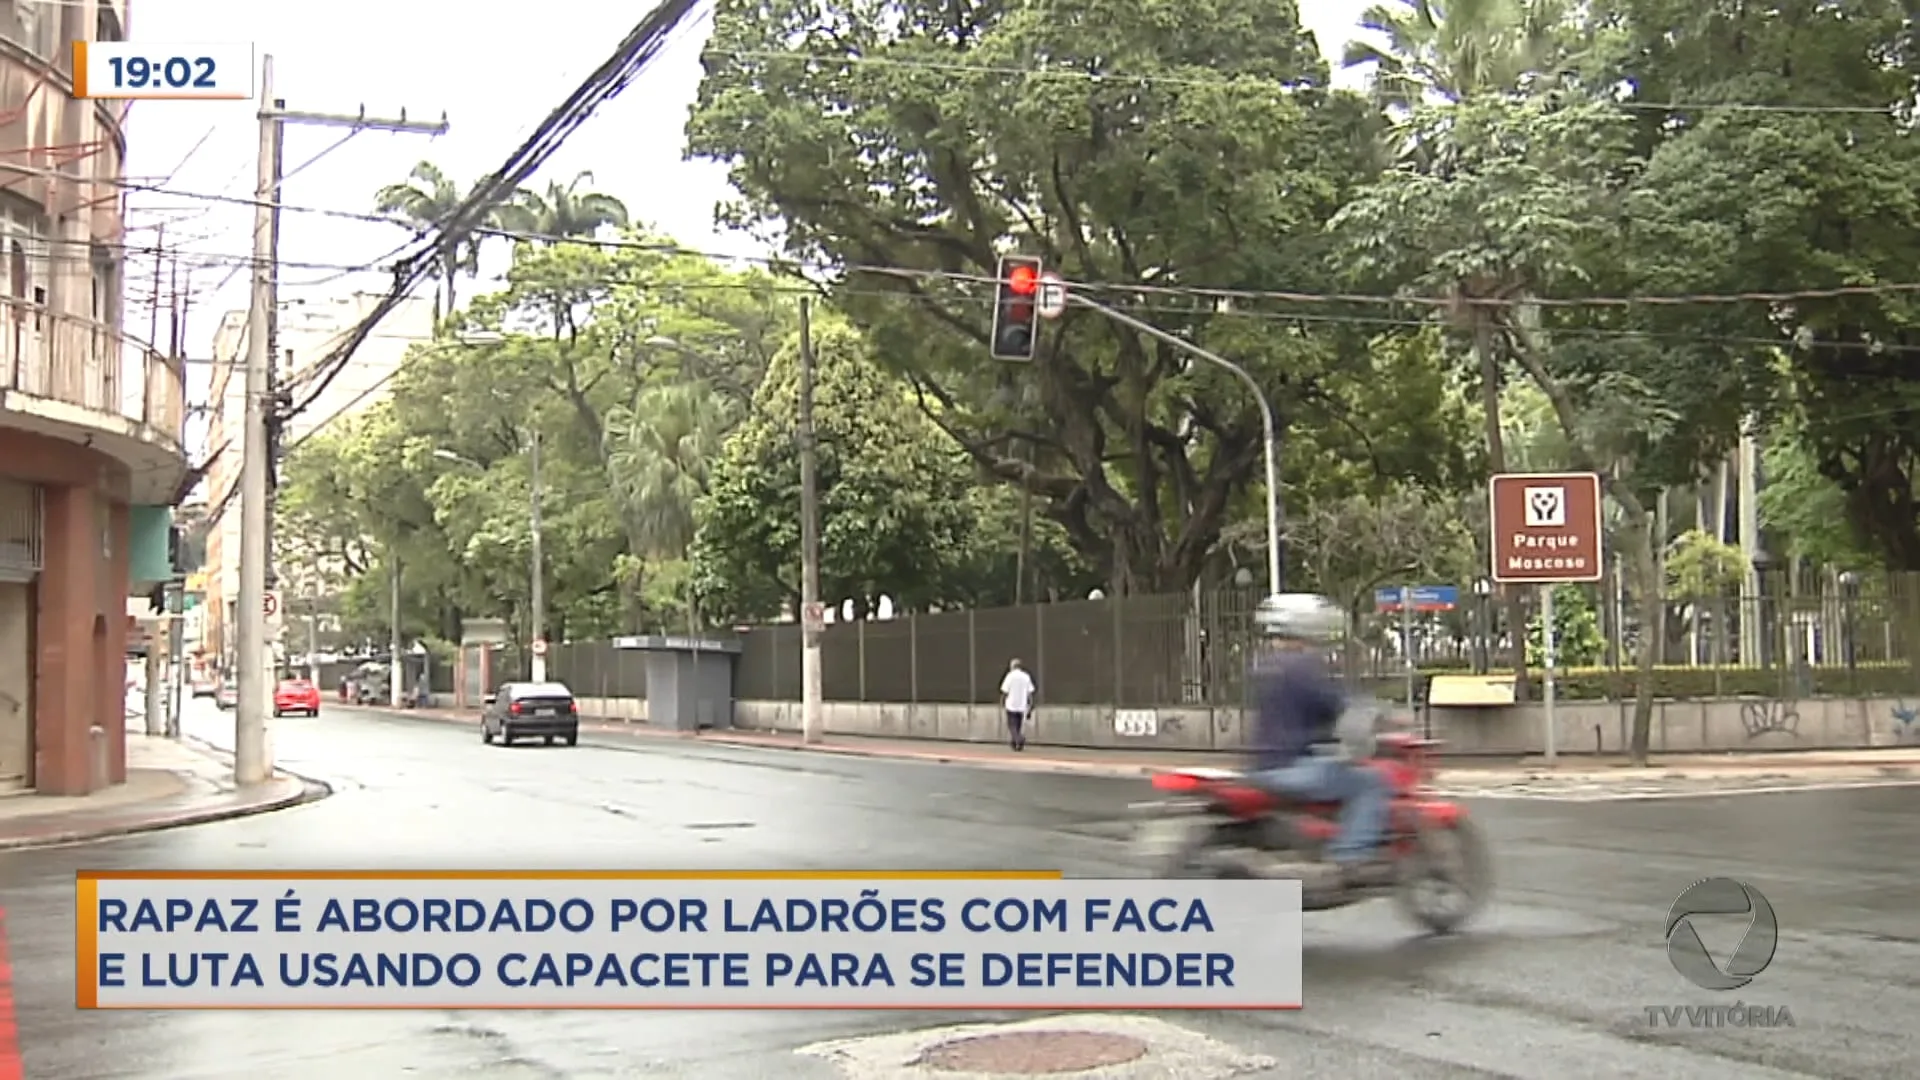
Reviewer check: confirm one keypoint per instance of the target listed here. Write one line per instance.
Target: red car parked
(296, 695)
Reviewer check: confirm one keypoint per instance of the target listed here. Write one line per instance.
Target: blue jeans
(1361, 793)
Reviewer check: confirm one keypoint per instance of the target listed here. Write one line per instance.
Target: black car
(531, 711)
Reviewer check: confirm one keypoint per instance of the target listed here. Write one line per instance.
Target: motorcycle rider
(1297, 754)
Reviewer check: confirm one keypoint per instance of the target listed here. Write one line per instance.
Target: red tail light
(513, 708)
(1173, 781)
(573, 707)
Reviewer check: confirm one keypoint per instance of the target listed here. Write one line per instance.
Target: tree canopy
(1620, 236)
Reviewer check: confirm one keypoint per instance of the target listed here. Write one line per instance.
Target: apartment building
(91, 423)
(307, 334)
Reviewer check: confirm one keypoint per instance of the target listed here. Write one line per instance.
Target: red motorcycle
(1216, 824)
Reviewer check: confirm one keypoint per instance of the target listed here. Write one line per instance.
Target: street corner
(153, 800)
(1111, 1047)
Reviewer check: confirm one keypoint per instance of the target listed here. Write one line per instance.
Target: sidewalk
(170, 783)
(1887, 763)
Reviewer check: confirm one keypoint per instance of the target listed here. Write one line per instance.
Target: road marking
(11, 1067)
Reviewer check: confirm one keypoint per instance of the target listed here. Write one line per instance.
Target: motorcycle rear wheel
(1448, 879)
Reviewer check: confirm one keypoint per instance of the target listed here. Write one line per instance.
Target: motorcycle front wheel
(1178, 847)
(1448, 878)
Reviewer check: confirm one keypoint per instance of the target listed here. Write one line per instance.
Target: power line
(1231, 295)
(634, 54)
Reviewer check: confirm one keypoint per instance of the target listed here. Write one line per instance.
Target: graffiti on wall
(1770, 716)
(1906, 723)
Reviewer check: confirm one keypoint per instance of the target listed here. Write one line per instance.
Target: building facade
(91, 422)
(306, 333)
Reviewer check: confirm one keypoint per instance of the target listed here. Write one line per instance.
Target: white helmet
(1300, 617)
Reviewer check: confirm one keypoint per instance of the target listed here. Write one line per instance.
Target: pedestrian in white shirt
(1016, 696)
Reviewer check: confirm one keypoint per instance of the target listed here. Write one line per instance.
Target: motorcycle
(1216, 824)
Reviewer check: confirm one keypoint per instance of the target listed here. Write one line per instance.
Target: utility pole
(251, 708)
(250, 760)
(537, 587)
(811, 614)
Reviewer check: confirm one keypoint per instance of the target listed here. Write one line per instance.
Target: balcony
(86, 382)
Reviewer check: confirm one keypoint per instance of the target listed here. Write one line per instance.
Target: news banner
(639, 940)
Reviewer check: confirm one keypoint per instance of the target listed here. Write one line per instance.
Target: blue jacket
(1296, 705)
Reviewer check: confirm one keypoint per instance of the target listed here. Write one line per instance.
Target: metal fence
(1187, 649)
(1131, 651)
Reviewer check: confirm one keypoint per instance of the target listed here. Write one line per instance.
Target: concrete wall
(1726, 724)
(1679, 727)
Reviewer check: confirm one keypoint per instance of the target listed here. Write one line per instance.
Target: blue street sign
(1422, 597)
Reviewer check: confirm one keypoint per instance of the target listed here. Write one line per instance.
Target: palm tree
(1438, 54)
(661, 454)
(662, 450)
(567, 211)
(427, 199)
(1458, 50)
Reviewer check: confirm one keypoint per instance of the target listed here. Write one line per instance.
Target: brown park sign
(1546, 527)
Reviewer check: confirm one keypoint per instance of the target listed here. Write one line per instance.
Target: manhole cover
(1034, 1053)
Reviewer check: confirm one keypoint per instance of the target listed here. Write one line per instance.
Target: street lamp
(1483, 644)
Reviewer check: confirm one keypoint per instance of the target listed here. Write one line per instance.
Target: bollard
(98, 735)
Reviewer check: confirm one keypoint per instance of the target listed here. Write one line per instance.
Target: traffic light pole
(1276, 561)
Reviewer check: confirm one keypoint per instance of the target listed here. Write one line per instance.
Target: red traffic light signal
(1015, 318)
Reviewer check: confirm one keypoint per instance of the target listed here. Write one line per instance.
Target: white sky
(494, 70)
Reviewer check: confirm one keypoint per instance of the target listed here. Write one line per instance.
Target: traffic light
(1015, 315)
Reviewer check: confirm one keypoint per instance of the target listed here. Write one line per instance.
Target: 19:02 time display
(177, 73)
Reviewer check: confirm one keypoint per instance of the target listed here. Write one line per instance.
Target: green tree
(632, 364)
(1448, 55)
(1757, 200)
(1804, 507)
(891, 135)
(894, 513)
(1577, 641)
(639, 362)
(1700, 567)
(1528, 205)
(428, 198)
(1430, 51)
(567, 211)
(1348, 547)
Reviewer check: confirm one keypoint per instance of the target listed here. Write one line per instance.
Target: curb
(754, 741)
(1463, 780)
(306, 790)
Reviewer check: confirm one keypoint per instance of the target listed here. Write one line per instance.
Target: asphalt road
(1554, 982)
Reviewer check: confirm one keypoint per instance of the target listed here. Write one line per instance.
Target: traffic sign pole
(1546, 531)
(1547, 643)
(1406, 636)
